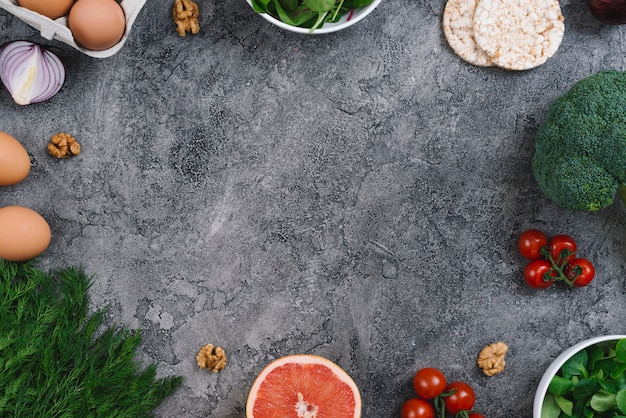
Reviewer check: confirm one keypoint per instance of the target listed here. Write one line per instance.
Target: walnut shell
(491, 358)
(211, 358)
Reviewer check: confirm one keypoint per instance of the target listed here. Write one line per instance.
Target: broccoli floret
(580, 149)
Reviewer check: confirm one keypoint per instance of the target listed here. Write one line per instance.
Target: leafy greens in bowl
(586, 380)
(313, 16)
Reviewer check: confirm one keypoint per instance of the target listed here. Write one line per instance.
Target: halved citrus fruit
(303, 386)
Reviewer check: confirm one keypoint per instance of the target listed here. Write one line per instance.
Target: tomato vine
(553, 260)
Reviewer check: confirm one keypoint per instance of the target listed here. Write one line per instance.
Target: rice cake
(518, 34)
(458, 28)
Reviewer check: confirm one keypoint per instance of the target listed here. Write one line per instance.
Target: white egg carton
(58, 29)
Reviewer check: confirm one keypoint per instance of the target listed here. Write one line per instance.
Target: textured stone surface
(356, 195)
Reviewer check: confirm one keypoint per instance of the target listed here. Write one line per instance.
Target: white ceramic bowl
(358, 15)
(556, 365)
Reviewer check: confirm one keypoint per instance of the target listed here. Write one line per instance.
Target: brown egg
(24, 234)
(97, 24)
(14, 161)
(53, 9)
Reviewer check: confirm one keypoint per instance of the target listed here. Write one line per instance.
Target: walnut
(63, 145)
(211, 358)
(491, 358)
(185, 14)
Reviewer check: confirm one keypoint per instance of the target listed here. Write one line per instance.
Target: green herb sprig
(310, 14)
(59, 361)
(590, 384)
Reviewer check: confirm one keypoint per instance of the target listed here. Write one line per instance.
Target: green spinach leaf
(576, 365)
(620, 399)
(559, 385)
(549, 408)
(603, 401)
(564, 404)
(585, 388)
(591, 384)
(310, 14)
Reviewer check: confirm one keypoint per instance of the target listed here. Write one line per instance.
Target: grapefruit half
(303, 386)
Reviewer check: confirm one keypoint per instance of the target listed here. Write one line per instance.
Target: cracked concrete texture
(356, 195)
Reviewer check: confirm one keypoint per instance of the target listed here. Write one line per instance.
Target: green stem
(621, 193)
(559, 269)
(320, 19)
(337, 10)
(440, 407)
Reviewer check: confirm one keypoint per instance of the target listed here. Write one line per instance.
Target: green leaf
(360, 3)
(320, 5)
(289, 5)
(321, 17)
(581, 410)
(261, 6)
(564, 404)
(298, 17)
(585, 388)
(559, 385)
(603, 401)
(599, 374)
(549, 408)
(618, 370)
(312, 14)
(620, 399)
(595, 353)
(620, 350)
(614, 385)
(576, 365)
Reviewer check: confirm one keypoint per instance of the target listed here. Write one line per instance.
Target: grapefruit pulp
(303, 386)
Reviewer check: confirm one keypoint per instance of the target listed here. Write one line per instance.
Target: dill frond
(58, 360)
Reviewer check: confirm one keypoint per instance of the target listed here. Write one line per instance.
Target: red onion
(610, 12)
(31, 73)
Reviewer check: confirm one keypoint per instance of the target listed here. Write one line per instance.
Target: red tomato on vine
(531, 242)
(429, 382)
(562, 249)
(581, 271)
(461, 399)
(538, 274)
(417, 408)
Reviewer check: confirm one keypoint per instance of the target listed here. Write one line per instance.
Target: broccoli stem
(621, 192)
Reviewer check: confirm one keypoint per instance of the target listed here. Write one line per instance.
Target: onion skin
(30, 73)
(609, 12)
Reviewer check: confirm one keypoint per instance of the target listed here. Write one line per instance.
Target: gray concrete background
(356, 195)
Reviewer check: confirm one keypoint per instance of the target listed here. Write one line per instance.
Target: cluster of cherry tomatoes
(437, 398)
(553, 260)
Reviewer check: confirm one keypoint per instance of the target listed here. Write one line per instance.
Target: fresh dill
(59, 360)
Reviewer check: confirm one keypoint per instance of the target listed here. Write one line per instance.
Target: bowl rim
(328, 27)
(553, 368)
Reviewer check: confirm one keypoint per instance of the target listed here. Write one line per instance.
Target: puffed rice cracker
(458, 28)
(518, 34)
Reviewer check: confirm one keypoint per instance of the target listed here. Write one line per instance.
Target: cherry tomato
(537, 274)
(462, 398)
(531, 242)
(475, 415)
(581, 271)
(562, 248)
(429, 382)
(417, 408)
